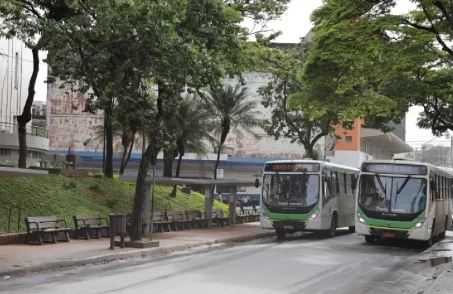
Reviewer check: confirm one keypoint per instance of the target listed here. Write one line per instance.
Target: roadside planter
(144, 243)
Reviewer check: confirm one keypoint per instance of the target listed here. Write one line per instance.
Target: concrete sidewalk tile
(20, 259)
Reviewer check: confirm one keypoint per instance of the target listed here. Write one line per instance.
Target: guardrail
(12, 128)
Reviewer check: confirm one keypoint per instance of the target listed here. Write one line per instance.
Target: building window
(363, 146)
(5, 152)
(348, 139)
(16, 72)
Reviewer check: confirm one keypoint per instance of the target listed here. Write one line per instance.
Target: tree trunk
(108, 172)
(217, 160)
(129, 154)
(143, 144)
(178, 170)
(140, 186)
(310, 152)
(140, 194)
(126, 154)
(25, 117)
(225, 131)
(168, 163)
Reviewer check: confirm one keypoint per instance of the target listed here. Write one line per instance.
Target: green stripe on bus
(383, 224)
(285, 216)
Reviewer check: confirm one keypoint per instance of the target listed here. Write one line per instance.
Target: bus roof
(322, 163)
(429, 166)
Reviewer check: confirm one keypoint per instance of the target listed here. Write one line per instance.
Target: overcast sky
(295, 23)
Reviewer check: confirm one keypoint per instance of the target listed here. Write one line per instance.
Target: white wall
(16, 66)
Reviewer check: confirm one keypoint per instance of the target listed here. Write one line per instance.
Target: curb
(58, 265)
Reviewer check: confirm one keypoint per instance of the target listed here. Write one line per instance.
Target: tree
(232, 113)
(26, 20)
(194, 125)
(291, 121)
(405, 59)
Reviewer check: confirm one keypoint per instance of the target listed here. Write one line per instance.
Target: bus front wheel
(370, 239)
(333, 227)
(281, 234)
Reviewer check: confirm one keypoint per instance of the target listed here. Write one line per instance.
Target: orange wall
(354, 133)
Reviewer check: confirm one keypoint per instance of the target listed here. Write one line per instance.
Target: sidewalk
(19, 259)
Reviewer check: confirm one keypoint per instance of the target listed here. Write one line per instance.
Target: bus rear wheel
(370, 239)
(281, 234)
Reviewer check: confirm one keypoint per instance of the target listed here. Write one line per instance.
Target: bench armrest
(65, 222)
(172, 216)
(223, 212)
(203, 214)
(37, 225)
(214, 214)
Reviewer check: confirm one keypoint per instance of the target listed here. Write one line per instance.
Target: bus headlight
(313, 216)
(360, 218)
(420, 223)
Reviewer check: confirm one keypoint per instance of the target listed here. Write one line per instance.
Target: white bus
(405, 200)
(307, 195)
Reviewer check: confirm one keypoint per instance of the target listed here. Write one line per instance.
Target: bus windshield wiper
(398, 190)
(403, 185)
(380, 183)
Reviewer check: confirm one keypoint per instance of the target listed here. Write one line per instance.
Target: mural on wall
(71, 128)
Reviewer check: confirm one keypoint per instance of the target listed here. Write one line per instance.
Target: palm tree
(195, 128)
(233, 112)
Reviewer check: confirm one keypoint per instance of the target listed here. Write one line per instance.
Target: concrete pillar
(208, 190)
(146, 216)
(233, 202)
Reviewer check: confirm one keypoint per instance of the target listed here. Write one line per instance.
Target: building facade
(15, 71)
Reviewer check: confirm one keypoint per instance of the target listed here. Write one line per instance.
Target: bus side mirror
(433, 185)
(354, 183)
(257, 183)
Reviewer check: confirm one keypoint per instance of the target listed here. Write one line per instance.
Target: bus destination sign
(292, 167)
(385, 168)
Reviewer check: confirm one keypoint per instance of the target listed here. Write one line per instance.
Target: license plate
(288, 227)
(388, 235)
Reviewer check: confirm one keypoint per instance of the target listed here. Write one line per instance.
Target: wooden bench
(199, 219)
(86, 224)
(220, 218)
(179, 219)
(161, 222)
(46, 225)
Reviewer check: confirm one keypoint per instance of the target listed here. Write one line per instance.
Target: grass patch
(58, 195)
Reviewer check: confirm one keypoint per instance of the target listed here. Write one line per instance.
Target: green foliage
(69, 184)
(389, 61)
(231, 112)
(305, 121)
(45, 195)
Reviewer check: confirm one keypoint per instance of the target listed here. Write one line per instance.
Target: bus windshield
(291, 190)
(404, 195)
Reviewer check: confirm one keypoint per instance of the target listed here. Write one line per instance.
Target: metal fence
(12, 128)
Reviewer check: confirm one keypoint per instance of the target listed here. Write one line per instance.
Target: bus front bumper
(421, 234)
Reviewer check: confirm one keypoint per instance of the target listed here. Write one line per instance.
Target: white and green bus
(405, 200)
(307, 195)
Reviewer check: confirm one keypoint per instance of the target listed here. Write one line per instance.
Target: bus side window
(334, 190)
(327, 185)
(348, 184)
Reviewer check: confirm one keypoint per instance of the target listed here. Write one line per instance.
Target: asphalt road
(301, 264)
